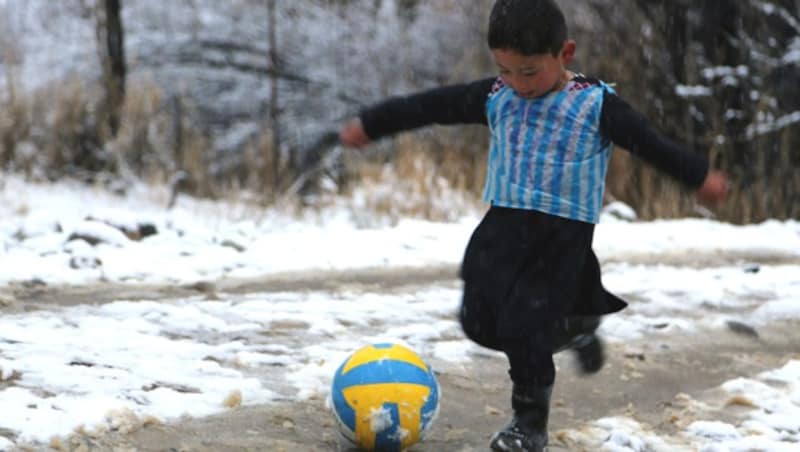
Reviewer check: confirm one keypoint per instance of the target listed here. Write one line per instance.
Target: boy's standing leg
(504, 308)
(532, 374)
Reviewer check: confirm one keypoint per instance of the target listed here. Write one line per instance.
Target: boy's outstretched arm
(629, 129)
(455, 104)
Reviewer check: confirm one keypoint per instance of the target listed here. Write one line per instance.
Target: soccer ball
(384, 397)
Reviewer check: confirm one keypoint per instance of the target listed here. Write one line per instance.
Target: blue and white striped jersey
(548, 154)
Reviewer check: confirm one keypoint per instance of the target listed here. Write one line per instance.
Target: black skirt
(523, 270)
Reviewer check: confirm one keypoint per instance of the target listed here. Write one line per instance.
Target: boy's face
(532, 76)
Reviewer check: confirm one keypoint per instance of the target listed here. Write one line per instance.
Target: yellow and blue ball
(384, 397)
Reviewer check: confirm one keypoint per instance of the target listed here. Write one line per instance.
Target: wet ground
(663, 382)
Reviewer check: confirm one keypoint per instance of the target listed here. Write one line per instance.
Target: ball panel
(378, 352)
(390, 413)
(345, 414)
(431, 407)
(386, 371)
(391, 438)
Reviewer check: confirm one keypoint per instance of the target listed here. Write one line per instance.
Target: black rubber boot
(527, 431)
(591, 354)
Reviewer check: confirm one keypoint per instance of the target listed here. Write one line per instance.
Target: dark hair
(530, 27)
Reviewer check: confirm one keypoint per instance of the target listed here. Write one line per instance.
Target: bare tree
(110, 35)
(274, 93)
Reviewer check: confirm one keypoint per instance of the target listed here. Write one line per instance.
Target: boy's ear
(568, 51)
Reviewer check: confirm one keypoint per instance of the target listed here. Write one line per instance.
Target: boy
(531, 280)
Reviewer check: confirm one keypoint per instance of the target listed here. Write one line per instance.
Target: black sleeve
(630, 130)
(455, 104)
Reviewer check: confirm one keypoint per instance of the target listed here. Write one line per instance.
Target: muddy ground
(664, 382)
(649, 382)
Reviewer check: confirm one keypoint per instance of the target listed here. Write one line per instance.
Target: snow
(717, 431)
(94, 367)
(772, 124)
(197, 241)
(693, 91)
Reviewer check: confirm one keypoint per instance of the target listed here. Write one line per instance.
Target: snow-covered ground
(94, 367)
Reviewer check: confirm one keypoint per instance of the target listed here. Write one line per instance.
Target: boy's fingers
(352, 134)
(353, 141)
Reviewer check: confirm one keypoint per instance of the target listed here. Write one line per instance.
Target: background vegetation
(217, 98)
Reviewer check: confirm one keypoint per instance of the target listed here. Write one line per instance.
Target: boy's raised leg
(578, 334)
(591, 354)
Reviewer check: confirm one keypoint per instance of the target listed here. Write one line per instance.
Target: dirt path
(36, 294)
(655, 383)
(32, 295)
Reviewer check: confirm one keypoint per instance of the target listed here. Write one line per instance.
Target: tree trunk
(114, 68)
(274, 93)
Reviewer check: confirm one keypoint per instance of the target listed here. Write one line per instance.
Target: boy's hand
(352, 134)
(714, 189)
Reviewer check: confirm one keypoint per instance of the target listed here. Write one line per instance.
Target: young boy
(531, 280)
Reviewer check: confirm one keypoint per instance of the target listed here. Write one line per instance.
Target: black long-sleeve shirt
(466, 104)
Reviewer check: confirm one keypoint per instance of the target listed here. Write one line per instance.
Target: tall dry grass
(60, 131)
(422, 177)
(438, 173)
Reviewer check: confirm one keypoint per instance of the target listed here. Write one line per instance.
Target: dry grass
(422, 179)
(437, 174)
(652, 194)
(262, 165)
(158, 140)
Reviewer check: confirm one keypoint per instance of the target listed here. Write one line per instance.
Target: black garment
(523, 264)
(525, 274)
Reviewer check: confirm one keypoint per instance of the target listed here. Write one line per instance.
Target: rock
(33, 283)
(95, 232)
(234, 399)
(740, 400)
(636, 356)
(123, 420)
(752, 268)
(206, 287)
(231, 244)
(620, 211)
(742, 328)
(146, 230)
(8, 373)
(493, 411)
(7, 300)
(133, 229)
(84, 262)
(83, 255)
(57, 443)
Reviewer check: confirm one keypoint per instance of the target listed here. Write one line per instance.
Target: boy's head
(528, 39)
(528, 27)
